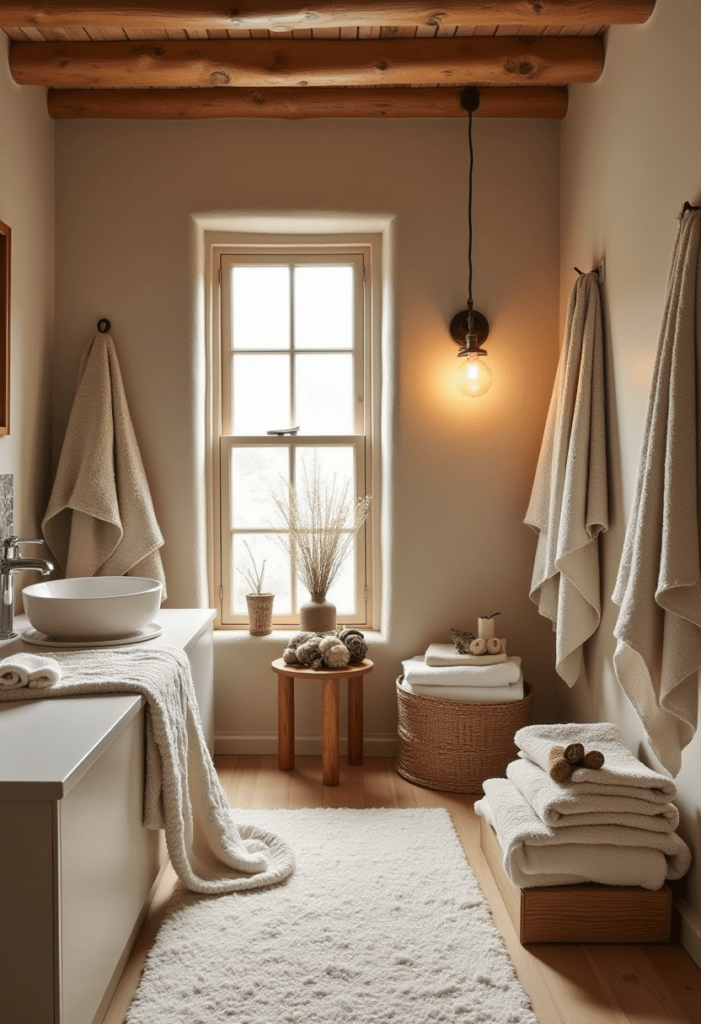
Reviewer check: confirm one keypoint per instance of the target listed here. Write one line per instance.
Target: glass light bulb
(473, 376)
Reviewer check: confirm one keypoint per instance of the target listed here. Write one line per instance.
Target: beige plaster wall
(27, 207)
(133, 200)
(631, 155)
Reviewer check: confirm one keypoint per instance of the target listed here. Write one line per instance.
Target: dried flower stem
(253, 577)
(320, 520)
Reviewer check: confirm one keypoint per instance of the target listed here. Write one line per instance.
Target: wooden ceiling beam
(167, 64)
(198, 104)
(283, 15)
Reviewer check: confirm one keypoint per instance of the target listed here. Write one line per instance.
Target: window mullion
(293, 362)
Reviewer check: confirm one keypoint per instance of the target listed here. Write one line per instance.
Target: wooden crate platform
(579, 913)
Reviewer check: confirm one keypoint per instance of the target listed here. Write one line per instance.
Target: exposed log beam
(192, 104)
(291, 14)
(166, 64)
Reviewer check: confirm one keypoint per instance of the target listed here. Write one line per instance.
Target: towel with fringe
(182, 792)
(569, 502)
(100, 519)
(658, 654)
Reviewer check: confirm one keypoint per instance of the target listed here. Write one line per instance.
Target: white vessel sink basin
(93, 607)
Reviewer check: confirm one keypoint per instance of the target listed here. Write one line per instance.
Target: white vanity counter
(76, 864)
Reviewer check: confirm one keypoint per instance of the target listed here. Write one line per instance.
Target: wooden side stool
(330, 714)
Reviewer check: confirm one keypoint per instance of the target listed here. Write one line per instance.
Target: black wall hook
(103, 326)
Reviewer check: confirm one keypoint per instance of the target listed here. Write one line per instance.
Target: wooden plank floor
(566, 984)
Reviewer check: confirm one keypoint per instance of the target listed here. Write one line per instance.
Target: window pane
(261, 389)
(324, 394)
(260, 302)
(277, 579)
(255, 473)
(324, 307)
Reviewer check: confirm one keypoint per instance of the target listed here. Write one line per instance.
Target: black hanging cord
(688, 207)
(470, 101)
(469, 211)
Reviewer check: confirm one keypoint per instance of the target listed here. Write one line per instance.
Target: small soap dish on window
(282, 432)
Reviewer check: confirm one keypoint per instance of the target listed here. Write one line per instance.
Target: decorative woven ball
(357, 648)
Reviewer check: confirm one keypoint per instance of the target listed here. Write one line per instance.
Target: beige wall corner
(27, 207)
(631, 155)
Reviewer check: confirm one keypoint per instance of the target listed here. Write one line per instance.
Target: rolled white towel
(416, 671)
(442, 655)
(30, 670)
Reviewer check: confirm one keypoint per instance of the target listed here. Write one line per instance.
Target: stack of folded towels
(445, 673)
(614, 824)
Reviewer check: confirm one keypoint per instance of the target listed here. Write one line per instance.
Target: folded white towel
(31, 670)
(441, 655)
(417, 671)
(469, 694)
(571, 863)
(519, 828)
(620, 768)
(562, 804)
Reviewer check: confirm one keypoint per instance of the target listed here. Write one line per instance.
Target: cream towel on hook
(658, 654)
(569, 502)
(100, 519)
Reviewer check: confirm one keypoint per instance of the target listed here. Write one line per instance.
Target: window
(294, 336)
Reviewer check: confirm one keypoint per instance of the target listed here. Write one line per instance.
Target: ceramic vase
(260, 613)
(317, 615)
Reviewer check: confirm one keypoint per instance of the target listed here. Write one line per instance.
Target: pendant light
(469, 329)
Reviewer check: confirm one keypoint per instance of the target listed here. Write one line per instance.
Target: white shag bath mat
(382, 922)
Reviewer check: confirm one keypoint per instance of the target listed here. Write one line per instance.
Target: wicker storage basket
(445, 744)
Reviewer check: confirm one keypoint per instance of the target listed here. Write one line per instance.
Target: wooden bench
(579, 913)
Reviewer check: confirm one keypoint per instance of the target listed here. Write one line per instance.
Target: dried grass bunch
(320, 519)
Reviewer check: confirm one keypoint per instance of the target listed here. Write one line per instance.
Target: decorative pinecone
(357, 648)
(462, 640)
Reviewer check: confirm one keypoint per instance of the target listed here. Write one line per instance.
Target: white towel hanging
(569, 502)
(658, 654)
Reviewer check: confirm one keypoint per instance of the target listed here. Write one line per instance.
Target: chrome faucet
(11, 563)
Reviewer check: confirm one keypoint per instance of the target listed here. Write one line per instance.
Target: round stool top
(298, 671)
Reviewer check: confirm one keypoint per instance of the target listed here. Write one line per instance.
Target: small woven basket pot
(449, 745)
(260, 613)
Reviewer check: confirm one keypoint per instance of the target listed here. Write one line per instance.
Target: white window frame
(223, 258)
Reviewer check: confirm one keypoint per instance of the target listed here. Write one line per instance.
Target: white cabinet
(76, 864)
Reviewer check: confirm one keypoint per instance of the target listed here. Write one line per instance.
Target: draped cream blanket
(182, 791)
(658, 654)
(569, 502)
(100, 519)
